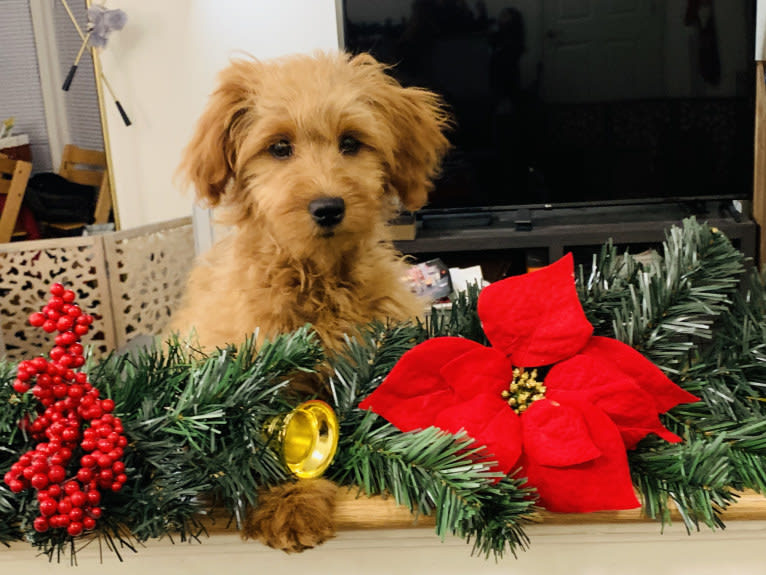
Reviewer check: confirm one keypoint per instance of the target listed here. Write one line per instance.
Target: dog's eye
(349, 145)
(281, 149)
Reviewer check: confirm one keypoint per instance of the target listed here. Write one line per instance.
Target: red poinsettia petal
(416, 391)
(600, 484)
(556, 435)
(648, 376)
(480, 370)
(490, 422)
(632, 411)
(601, 383)
(536, 318)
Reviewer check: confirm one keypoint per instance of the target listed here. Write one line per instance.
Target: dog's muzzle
(327, 212)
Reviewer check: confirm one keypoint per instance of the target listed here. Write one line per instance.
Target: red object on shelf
(16, 147)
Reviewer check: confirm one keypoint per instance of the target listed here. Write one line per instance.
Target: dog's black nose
(327, 212)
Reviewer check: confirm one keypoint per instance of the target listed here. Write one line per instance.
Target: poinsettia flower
(568, 434)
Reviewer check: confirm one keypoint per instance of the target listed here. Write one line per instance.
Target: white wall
(162, 66)
(760, 31)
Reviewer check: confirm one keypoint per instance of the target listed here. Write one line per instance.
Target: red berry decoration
(73, 426)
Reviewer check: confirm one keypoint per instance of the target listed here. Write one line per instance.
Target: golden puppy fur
(277, 139)
(279, 270)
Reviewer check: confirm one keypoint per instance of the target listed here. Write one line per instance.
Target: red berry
(51, 314)
(55, 303)
(36, 319)
(74, 528)
(57, 289)
(88, 523)
(20, 386)
(88, 445)
(68, 296)
(49, 326)
(64, 323)
(70, 434)
(48, 507)
(107, 405)
(94, 497)
(57, 353)
(79, 329)
(78, 498)
(105, 445)
(56, 474)
(64, 507)
(16, 486)
(66, 338)
(40, 364)
(39, 481)
(40, 524)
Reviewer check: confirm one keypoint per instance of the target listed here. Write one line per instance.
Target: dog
(307, 157)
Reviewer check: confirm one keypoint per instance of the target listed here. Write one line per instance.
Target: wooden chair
(87, 167)
(13, 183)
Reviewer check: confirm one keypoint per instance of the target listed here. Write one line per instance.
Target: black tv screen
(561, 102)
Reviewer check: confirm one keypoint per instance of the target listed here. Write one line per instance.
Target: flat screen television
(570, 103)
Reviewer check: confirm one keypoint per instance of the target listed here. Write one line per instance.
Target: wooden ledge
(354, 511)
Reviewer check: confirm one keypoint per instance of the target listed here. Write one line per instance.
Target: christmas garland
(194, 423)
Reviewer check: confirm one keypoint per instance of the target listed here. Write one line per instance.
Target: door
(602, 49)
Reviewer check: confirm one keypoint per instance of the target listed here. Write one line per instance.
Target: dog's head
(311, 148)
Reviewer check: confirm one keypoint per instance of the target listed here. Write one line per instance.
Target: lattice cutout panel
(27, 270)
(148, 273)
(129, 281)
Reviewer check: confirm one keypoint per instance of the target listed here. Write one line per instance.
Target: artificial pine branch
(461, 319)
(668, 310)
(435, 473)
(696, 475)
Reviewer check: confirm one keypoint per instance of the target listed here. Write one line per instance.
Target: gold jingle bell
(306, 438)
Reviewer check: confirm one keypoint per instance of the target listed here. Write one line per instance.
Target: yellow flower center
(523, 390)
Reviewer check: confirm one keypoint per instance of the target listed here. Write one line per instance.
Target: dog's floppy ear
(417, 120)
(210, 156)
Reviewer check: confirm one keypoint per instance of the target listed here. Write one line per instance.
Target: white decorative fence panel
(130, 281)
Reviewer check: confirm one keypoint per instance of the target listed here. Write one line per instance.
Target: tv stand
(557, 231)
(456, 221)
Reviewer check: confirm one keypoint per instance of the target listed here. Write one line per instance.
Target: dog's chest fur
(278, 294)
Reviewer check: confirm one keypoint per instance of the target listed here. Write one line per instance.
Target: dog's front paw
(294, 516)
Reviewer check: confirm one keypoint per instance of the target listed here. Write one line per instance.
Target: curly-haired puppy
(310, 156)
